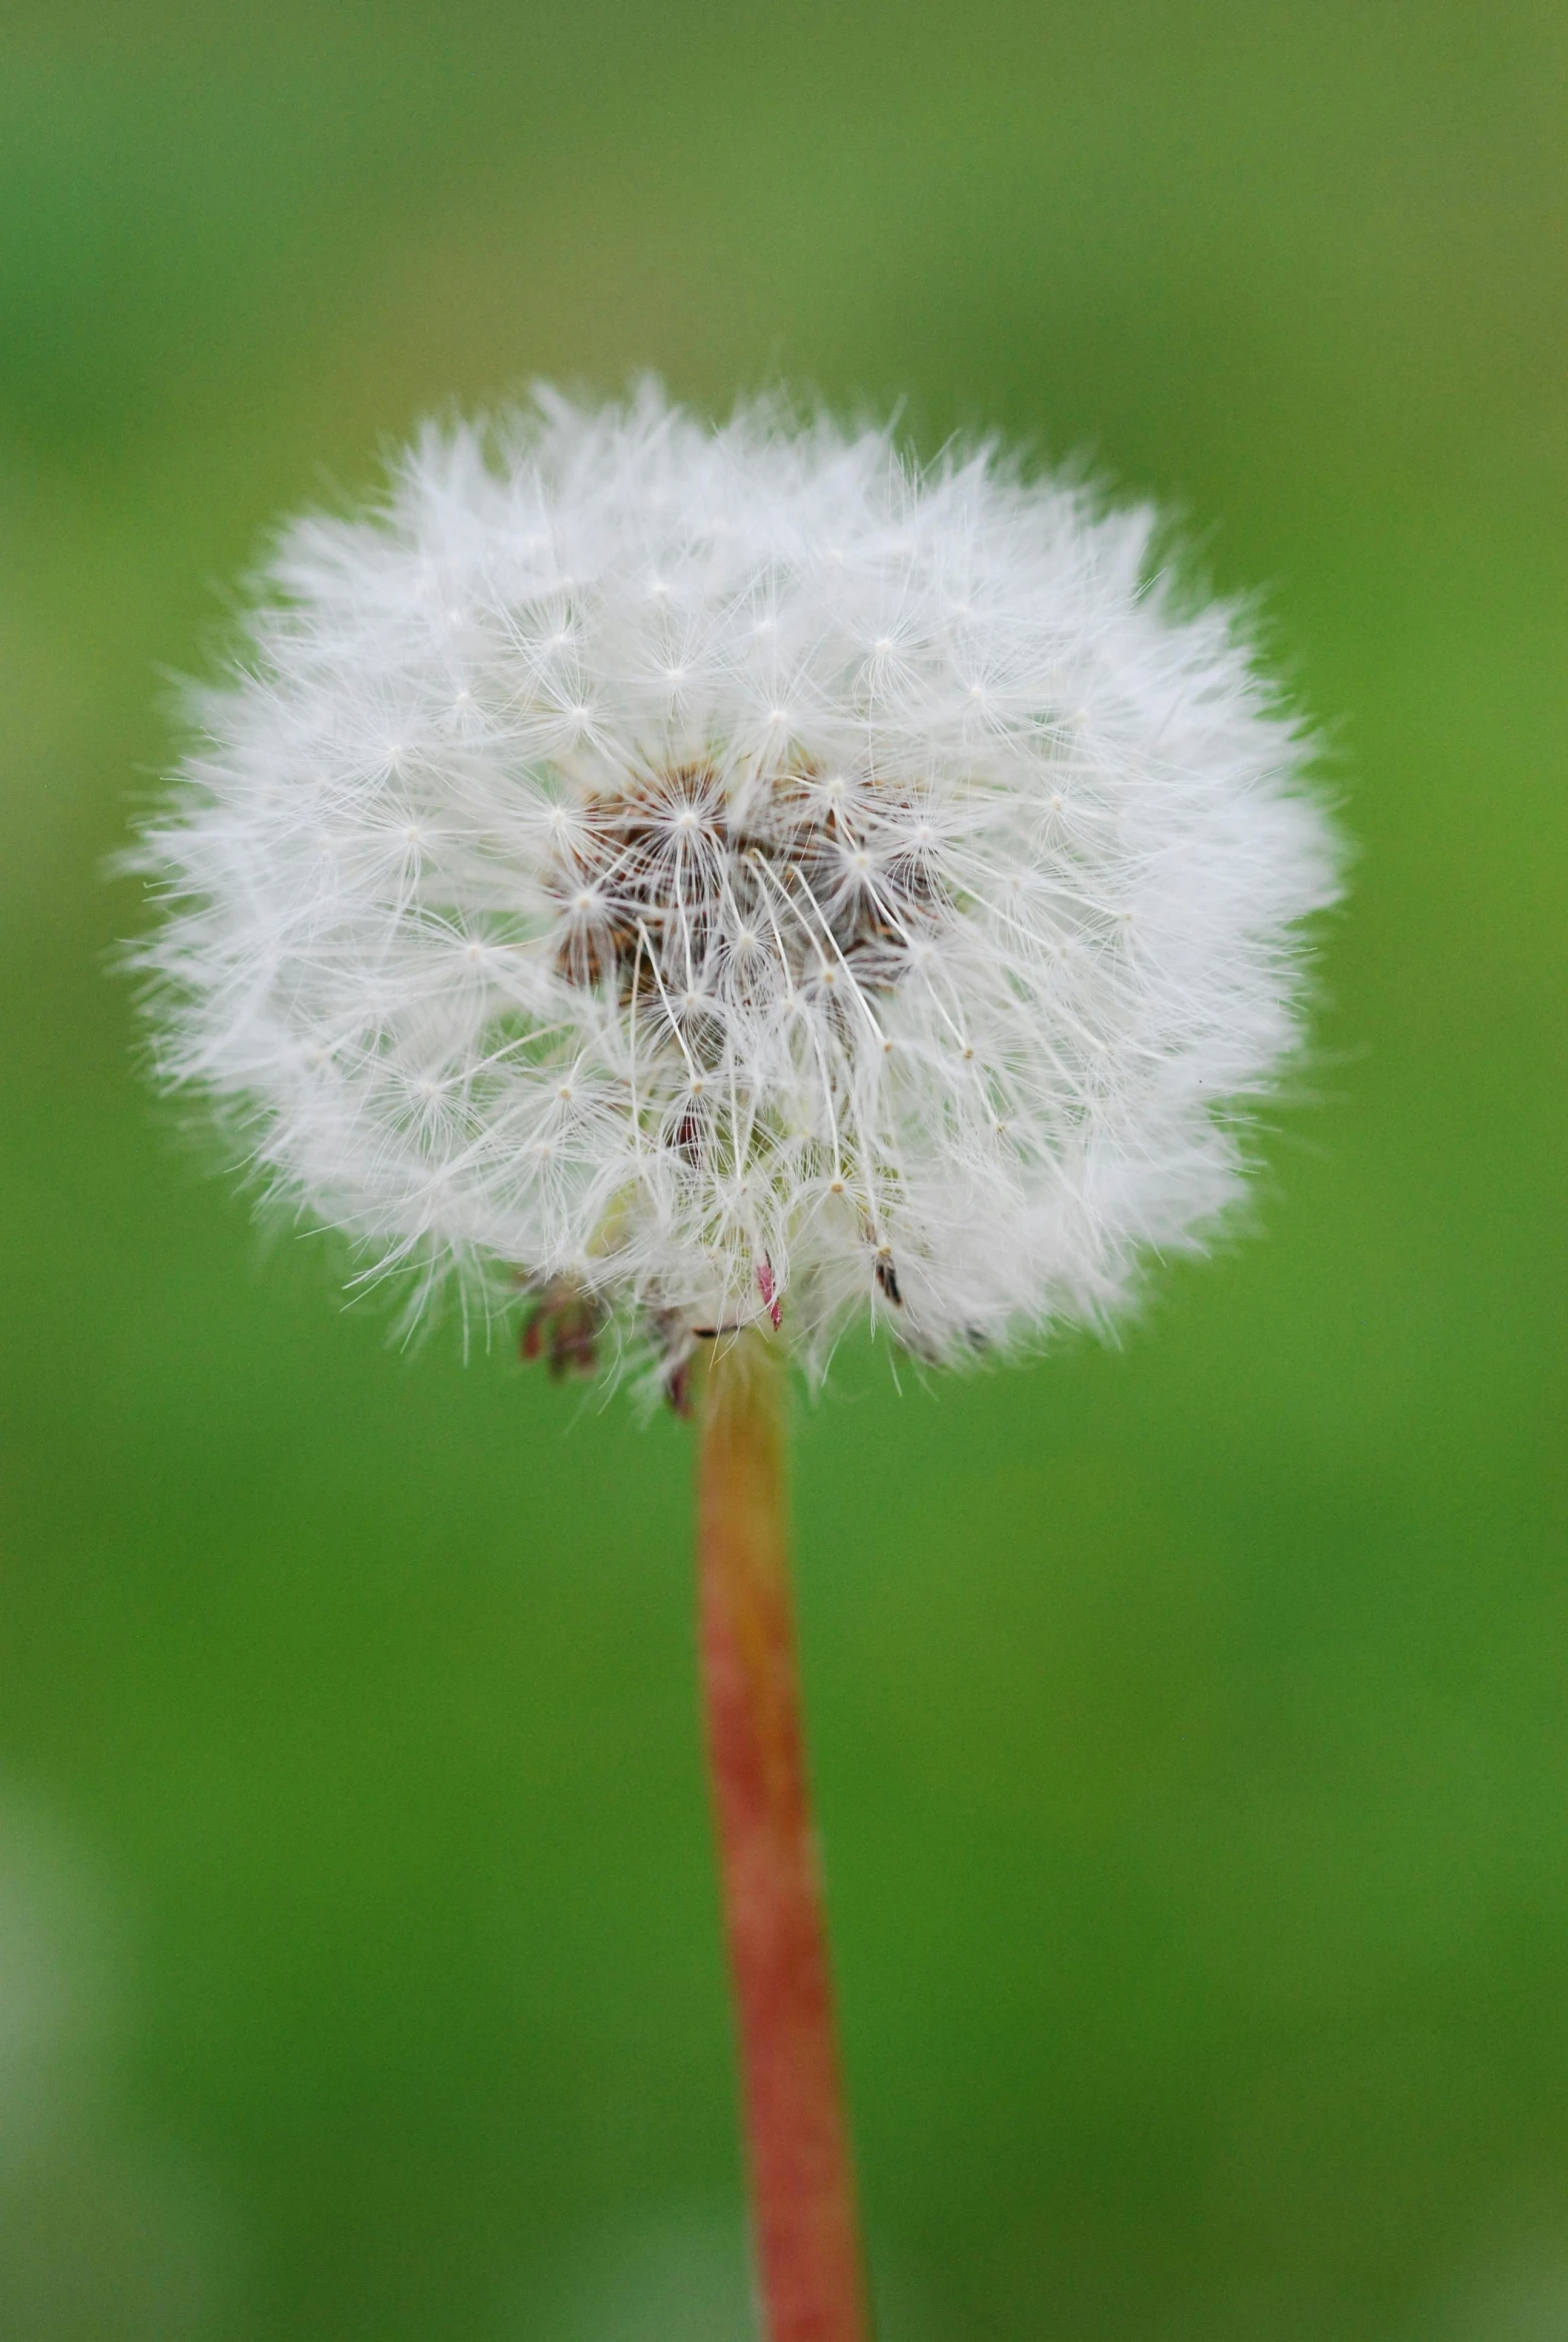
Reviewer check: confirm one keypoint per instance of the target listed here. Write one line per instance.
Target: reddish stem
(797, 2138)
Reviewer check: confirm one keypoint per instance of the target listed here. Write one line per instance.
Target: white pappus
(697, 873)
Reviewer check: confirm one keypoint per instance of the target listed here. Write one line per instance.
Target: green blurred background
(1190, 1722)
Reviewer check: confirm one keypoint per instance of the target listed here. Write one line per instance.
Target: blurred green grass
(1190, 1721)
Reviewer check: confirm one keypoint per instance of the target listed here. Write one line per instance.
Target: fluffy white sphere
(709, 872)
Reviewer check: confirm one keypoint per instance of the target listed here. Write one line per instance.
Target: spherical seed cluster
(715, 873)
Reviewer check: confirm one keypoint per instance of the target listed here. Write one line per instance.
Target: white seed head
(649, 937)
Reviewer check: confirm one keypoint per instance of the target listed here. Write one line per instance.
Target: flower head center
(672, 890)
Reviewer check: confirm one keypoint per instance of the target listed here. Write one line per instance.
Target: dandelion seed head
(712, 968)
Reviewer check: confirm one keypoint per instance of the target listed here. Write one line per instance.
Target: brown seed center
(671, 889)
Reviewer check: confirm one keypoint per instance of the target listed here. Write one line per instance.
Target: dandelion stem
(797, 2135)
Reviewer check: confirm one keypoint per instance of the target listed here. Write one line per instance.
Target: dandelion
(718, 885)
